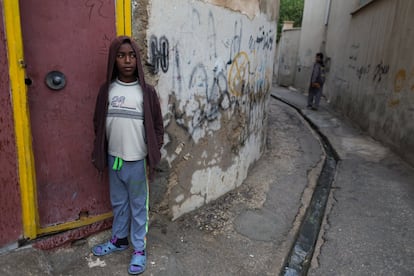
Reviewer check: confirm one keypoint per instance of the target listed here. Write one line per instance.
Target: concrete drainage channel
(300, 255)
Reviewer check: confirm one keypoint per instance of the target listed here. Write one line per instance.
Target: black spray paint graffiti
(215, 98)
(218, 88)
(363, 70)
(207, 96)
(198, 81)
(177, 83)
(198, 88)
(353, 57)
(235, 43)
(354, 52)
(264, 40)
(195, 17)
(380, 71)
(159, 54)
(210, 95)
(212, 36)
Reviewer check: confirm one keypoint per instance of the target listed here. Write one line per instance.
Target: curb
(299, 258)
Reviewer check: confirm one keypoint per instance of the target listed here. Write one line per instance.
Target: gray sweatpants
(129, 199)
(314, 96)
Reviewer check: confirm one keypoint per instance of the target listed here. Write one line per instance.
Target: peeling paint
(69, 236)
(211, 182)
(213, 78)
(248, 7)
(95, 263)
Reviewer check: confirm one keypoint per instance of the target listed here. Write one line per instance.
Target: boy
(128, 137)
(317, 80)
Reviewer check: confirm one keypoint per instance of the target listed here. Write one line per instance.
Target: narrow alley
(367, 229)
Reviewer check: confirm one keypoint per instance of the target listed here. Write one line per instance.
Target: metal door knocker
(55, 80)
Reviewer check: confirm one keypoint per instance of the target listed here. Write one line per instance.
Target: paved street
(367, 230)
(369, 226)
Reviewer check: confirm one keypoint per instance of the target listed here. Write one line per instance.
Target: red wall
(10, 205)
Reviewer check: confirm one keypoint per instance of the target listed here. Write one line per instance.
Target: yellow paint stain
(394, 103)
(399, 81)
(412, 81)
(238, 74)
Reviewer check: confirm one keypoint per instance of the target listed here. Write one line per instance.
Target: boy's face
(126, 63)
(318, 58)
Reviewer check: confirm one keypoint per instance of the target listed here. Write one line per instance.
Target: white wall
(372, 69)
(214, 69)
(312, 40)
(287, 57)
(370, 73)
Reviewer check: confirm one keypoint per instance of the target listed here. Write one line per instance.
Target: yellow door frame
(21, 115)
(123, 17)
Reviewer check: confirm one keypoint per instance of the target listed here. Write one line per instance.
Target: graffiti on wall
(363, 70)
(234, 43)
(95, 8)
(401, 82)
(380, 71)
(212, 36)
(159, 54)
(206, 94)
(264, 39)
(239, 73)
(260, 46)
(353, 56)
(225, 83)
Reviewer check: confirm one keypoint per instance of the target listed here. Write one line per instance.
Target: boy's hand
(316, 85)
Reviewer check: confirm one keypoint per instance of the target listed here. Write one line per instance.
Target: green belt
(117, 164)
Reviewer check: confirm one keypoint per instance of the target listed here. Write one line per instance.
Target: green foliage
(290, 10)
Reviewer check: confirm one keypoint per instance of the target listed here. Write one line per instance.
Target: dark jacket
(318, 76)
(153, 122)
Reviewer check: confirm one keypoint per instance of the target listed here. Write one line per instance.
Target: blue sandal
(107, 248)
(138, 263)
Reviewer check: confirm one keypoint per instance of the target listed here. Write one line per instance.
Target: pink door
(11, 227)
(65, 44)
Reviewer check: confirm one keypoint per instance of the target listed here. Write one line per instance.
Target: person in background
(316, 82)
(128, 136)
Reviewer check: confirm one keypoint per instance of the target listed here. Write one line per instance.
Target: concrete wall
(212, 64)
(372, 69)
(370, 75)
(287, 56)
(312, 40)
(338, 29)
